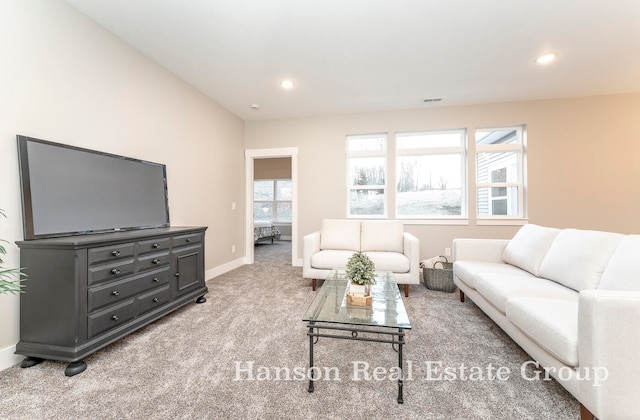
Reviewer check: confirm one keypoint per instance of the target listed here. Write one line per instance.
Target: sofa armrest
(412, 251)
(608, 325)
(311, 246)
(489, 250)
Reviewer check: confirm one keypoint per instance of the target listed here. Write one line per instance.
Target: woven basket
(440, 279)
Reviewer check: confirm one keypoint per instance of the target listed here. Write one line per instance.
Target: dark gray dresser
(84, 292)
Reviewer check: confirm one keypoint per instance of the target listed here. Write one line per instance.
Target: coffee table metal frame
(385, 321)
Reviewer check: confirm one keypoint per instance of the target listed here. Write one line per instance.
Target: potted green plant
(361, 273)
(9, 277)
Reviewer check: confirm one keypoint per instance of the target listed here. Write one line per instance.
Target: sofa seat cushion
(622, 269)
(340, 235)
(529, 246)
(467, 270)
(390, 261)
(551, 323)
(382, 235)
(499, 288)
(577, 258)
(330, 259)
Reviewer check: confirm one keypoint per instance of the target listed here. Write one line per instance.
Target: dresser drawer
(153, 299)
(116, 291)
(154, 245)
(153, 261)
(111, 271)
(111, 317)
(181, 240)
(110, 253)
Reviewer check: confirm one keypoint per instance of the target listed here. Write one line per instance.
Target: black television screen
(69, 190)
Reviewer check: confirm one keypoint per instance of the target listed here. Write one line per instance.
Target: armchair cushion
(382, 236)
(340, 235)
(330, 259)
(390, 261)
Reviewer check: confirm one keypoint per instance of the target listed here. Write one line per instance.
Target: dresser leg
(75, 367)
(201, 299)
(27, 362)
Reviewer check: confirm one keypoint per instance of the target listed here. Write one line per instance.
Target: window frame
(460, 150)
(519, 148)
(358, 154)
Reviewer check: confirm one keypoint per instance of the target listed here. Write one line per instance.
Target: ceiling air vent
(430, 100)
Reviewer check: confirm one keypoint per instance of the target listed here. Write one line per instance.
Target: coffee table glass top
(386, 309)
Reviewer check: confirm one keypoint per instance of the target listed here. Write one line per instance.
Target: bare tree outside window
(429, 174)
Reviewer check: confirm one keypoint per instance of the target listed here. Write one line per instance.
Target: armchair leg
(313, 284)
(585, 414)
(406, 290)
(461, 296)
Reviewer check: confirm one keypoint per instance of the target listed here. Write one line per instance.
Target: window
(430, 174)
(366, 173)
(272, 200)
(500, 172)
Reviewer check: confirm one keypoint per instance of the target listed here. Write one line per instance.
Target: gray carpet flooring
(196, 363)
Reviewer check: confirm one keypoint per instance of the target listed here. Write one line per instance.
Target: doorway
(291, 154)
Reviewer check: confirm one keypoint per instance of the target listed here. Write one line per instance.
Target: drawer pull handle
(115, 293)
(115, 317)
(115, 271)
(155, 279)
(115, 253)
(177, 274)
(155, 300)
(188, 239)
(156, 261)
(156, 245)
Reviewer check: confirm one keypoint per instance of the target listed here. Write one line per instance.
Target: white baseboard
(8, 358)
(224, 268)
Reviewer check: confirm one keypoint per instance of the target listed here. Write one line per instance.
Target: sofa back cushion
(529, 246)
(340, 234)
(379, 235)
(577, 258)
(623, 270)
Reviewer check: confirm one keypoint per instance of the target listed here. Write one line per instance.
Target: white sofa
(384, 241)
(571, 299)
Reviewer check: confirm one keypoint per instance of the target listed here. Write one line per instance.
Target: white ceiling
(349, 56)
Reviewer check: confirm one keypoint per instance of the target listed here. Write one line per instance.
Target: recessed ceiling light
(546, 59)
(287, 84)
(255, 107)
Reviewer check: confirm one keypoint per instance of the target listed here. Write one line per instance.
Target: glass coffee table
(384, 321)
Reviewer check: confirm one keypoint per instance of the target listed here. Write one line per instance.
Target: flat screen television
(69, 190)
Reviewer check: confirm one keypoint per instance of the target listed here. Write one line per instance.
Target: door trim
(250, 156)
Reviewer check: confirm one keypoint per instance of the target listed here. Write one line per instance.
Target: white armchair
(385, 242)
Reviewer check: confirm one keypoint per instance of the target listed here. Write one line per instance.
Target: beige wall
(584, 161)
(65, 79)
